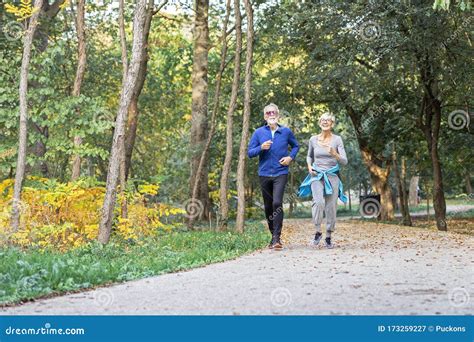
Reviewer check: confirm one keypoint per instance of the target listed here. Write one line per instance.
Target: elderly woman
(325, 154)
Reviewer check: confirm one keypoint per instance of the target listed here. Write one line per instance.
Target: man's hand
(285, 161)
(266, 145)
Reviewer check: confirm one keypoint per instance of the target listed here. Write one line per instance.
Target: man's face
(271, 116)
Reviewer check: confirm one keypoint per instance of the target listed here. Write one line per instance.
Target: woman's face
(271, 116)
(326, 124)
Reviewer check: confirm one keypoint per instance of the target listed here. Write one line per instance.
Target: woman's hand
(333, 152)
(311, 171)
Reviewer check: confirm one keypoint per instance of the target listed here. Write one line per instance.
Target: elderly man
(271, 143)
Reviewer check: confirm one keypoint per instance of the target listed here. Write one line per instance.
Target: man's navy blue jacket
(269, 160)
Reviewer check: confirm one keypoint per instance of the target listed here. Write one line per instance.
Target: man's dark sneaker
(317, 237)
(329, 243)
(270, 245)
(277, 245)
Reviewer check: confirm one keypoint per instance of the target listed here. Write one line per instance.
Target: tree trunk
(23, 129)
(430, 123)
(133, 110)
(439, 202)
(125, 99)
(90, 167)
(378, 174)
(39, 151)
(80, 71)
(467, 178)
(227, 166)
(199, 107)
(413, 190)
(123, 40)
(131, 134)
(47, 15)
(217, 93)
(407, 219)
(123, 48)
(379, 179)
(400, 179)
(245, 121)
(396, 173)
(132, 121)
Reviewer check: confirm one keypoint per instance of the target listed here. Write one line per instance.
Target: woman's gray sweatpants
(326, 204)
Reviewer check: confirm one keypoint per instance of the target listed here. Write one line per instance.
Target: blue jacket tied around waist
(305, 187)
(269, 160)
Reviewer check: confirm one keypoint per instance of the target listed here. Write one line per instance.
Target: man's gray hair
(271, 105)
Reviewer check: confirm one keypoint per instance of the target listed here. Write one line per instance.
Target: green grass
(29, 274)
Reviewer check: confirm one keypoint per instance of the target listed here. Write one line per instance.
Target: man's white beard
(272, 121)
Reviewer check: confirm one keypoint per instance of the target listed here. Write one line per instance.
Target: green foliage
(327, 47)
(302, 50)
(30, 274)
(463, 5)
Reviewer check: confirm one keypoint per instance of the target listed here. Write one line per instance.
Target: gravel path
(374, 269)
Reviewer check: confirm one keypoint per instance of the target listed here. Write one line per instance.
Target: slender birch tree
(80, 71)
(245, 120)
(23, 131)
(128, 86)
(227, 166)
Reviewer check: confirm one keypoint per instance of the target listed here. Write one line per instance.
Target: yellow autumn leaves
(21, 12)
(26, 9)
(66, 215)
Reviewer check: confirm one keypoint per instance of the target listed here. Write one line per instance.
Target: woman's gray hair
(328, 116)
(271, 105)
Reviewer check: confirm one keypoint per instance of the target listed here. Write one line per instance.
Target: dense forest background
(397, 74)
